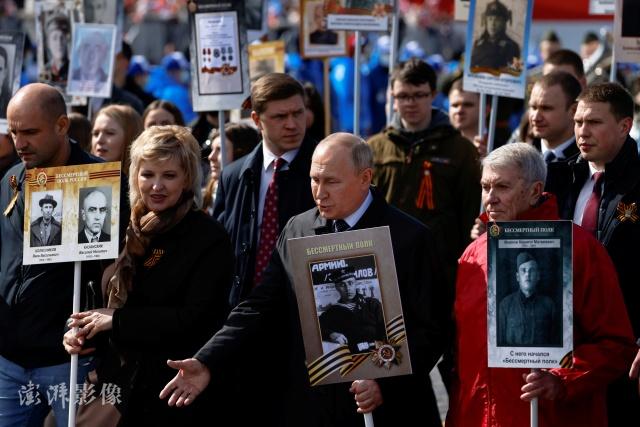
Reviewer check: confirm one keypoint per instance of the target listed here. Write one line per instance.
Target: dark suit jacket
(104, 237)
(426, 306)
(619, 231)
(568, 153)
(55, 234)
(236, 206)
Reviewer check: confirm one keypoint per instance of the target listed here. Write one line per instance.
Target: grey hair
(518, 155)
(361, 154)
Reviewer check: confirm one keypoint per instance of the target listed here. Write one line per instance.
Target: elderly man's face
(47, 211)
(347, 289)
(337, 187)
(528, 275)
(94, 211)
(505, 193)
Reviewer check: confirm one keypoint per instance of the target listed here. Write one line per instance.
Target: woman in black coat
(169, 290)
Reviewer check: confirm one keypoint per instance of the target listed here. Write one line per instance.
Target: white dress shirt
(584, 195)
(267, 173)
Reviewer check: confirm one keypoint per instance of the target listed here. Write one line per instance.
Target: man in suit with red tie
(256, 196)
(600, 190)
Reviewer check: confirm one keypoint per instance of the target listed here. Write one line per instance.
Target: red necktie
(269, 227)
(590, 214)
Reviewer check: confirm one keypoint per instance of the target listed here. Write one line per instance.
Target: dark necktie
(340, 225)
(590, 214)
(94, 238)
(549, 156)
(269, 227)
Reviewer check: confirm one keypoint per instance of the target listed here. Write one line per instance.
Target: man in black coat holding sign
(341, 172)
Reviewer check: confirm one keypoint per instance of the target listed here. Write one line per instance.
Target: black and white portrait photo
(100, 11)
(531, 314)
(496, 45)
(94, 223)
(46, 218)
(349, 306)
(7, 53)
(319, 33)
(92, 60)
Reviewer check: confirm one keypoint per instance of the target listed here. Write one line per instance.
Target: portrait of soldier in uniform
(354, 320)
(526, 317)
(45, 230)
(93, 212)
(320, 34)
(494, 49)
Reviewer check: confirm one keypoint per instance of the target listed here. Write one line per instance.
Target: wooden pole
(327, 96)
(356, 86)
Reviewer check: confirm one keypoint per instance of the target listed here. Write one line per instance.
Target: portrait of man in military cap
(45, 230)
(527, 317)
(494, 49)
(354, 319)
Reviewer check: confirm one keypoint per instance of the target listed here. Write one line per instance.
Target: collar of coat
(545, 209)
(621, 174)
(370, 218)
(253, 161)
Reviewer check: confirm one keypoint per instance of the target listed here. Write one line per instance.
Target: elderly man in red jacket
(512, 181)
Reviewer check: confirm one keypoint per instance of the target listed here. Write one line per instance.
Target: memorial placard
(349, 306)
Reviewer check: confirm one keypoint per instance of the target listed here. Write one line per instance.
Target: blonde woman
(164, 298)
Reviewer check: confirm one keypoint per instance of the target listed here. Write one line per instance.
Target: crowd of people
(198, 314)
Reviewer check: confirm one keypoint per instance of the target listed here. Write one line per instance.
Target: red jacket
(603, 343)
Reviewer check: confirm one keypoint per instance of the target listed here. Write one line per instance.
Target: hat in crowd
(342, 275)
(524, 257)
(138, 65)
(60, 22)
(175, 61)
(496, 8)
(48, 199)
(589, 37)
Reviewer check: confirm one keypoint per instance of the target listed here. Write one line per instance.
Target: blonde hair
(130, 122)
(161, 143)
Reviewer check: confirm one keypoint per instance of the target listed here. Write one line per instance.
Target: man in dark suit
(256, 196)
(93, 214)
(600, 190)
(341, 174)
(46, 231)
(552, 105)
(249, 184)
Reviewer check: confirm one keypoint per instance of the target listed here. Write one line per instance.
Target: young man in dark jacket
(424, 166)
(600, 190)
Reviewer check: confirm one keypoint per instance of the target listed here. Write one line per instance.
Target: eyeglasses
(418, 96)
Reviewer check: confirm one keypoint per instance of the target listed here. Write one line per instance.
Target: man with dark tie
(600, 190)
(93, 214)
(552, 105)
(256, 196)
(341, 172)
(260, 192)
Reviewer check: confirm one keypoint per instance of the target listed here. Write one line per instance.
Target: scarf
(144, 225)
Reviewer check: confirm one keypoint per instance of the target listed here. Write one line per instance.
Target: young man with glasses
(426, 167)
